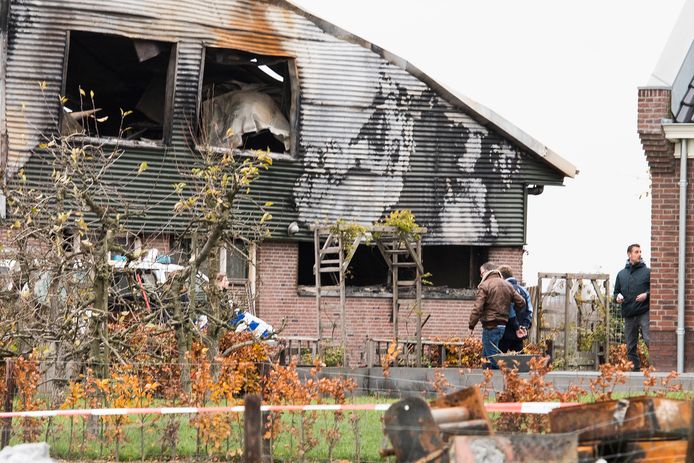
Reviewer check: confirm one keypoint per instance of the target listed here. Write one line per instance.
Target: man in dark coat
(631, 290)
(494, 296)
(519, 322)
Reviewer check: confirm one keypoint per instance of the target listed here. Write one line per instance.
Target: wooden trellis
(572, 289)
(332, 255)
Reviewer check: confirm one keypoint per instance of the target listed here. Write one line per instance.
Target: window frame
(294, 87)
(169, 95)
(429, 292)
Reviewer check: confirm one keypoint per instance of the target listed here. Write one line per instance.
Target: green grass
(143, 437)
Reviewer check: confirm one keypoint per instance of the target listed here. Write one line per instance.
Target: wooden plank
(567, 294)
(415, 256)
(405, 264)
(330, 250)
(316, 255)
(418, 303)
(343, 303)
(329, 269)
(396, 303)
(384, 253)
(584, 276)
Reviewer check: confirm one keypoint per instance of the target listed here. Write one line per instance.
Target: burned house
(354, 131)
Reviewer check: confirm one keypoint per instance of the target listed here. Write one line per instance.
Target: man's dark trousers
(632, 326)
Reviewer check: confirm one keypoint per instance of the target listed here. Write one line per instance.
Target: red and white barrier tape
(538, 408)
(510, 407)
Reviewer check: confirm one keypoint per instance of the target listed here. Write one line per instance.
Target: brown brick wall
(277, 264)
(160, 241)
(513, 257)
(653, 106)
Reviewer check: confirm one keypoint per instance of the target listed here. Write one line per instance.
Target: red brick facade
(653, 106)
(367, 317)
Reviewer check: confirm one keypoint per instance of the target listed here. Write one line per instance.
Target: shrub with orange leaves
(532, 389)
(618, 356)
(464, 353)
(441, 383)
(284, 386)
(391, 357)
(151, 350)
(27, 377)
(124, 389)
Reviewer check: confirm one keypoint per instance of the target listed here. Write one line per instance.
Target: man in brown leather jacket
(494, 296)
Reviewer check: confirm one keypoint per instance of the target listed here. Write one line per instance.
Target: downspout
(682, 255)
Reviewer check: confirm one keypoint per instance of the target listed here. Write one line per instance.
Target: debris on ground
(456, 429)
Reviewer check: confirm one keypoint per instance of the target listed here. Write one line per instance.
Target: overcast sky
(566, 73)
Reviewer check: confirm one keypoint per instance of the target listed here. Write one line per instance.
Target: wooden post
(395, 294)
(536, 315)
(608, 298)
(418, 258)
(343, 301)
(9, 396)
(316, 270)
(252, 449)
(567, 292)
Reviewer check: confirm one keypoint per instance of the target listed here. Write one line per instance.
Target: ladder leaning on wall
(332, 254)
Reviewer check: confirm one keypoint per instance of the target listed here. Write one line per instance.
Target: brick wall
(653, 106)
(159, 241)
(278, 300)
(513, 257)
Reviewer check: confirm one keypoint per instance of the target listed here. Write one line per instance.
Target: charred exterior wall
(370, 136)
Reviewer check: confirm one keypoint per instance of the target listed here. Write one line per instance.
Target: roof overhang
(676, 132)
(477, 111)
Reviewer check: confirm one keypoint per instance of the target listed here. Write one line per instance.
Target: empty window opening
(367, 268)
(247, 101)
(235, 261)
(453, 266)
(125, 75)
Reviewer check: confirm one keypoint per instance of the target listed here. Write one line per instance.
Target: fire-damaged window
(367, 268)
(109, 76)
(455, 267)
(247, 101)
(450, 268)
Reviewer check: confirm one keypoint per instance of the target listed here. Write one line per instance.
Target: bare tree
(65, 229)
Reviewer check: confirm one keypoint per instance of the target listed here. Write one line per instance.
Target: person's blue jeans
(490, 344)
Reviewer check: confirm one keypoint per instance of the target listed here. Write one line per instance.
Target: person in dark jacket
(494, 295)
(632, 290)
(519, 321)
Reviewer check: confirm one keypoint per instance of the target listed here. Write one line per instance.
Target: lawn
(358, 436)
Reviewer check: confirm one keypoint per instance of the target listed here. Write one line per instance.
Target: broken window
(453, 266)
(125, 75)
(367, 268)
(247, 101)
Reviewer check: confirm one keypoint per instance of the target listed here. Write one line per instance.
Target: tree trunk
(99, 331)
(181, 334)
